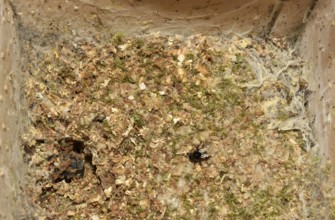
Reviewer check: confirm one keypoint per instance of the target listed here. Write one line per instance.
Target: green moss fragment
(119, 63)
(138, 119)
(230, 199)
(118, 38)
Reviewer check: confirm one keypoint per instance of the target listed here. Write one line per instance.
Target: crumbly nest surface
(113, 123)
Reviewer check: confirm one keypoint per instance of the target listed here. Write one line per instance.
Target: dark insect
(198, 156)
(70, 169)
(70, 160)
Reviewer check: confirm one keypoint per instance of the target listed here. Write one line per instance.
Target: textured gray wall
(318, 49)
(11, 165)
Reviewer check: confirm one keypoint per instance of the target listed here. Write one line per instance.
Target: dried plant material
(171, 127)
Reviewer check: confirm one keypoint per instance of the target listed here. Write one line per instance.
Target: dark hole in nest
(29, 150)
(45, 191)
(89, 160)
(78, 146)
(69, 144)
(40, 141)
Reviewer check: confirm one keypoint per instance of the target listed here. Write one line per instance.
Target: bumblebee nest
(113, 123)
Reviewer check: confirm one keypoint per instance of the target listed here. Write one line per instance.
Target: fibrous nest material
(114, 122)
